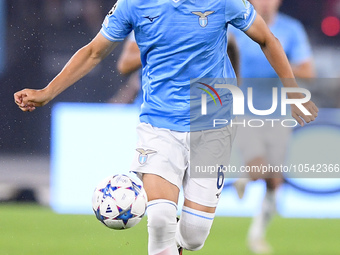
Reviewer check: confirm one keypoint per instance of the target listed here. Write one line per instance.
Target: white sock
(162, 226)
(193, 228)
(260, 222)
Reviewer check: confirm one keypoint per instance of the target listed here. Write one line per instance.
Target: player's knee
(193, 228)
(158, 221)
(162, 226)
(196, 241)
(161, 220)
(273, 183)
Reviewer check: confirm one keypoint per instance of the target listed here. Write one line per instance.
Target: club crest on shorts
(143, 155)
(203, 17)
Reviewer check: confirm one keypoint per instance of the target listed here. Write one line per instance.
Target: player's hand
(29, 99)
(301, 117)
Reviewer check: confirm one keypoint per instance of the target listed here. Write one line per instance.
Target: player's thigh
(209, 157)
(199, 207)
(203, 194)
(278, 138)
(255, 164)
(160, 160)
(156, 187)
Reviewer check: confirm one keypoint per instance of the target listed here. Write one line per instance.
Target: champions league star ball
(119, 202)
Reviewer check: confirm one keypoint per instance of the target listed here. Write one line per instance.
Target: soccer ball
(119, 202)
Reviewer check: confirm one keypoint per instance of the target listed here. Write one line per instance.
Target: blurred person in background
(268, 145)
(129, 64)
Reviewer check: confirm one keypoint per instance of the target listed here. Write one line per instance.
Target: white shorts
(167, 153)
(267, 142)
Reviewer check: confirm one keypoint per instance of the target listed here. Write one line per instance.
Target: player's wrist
(295, 95)
(48, 93)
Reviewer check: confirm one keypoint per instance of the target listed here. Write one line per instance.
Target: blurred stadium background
(38, 37)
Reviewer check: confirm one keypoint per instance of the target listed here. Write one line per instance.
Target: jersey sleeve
(240, 13)
(299, 48)
(117, 23)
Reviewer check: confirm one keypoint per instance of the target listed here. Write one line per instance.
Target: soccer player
(262, 146)
(178, 40)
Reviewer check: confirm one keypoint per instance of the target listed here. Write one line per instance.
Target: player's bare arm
(271, 47)
(129, 61)
(234, 54)
(80, 64)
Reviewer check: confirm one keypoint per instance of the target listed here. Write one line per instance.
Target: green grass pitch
(31, 229)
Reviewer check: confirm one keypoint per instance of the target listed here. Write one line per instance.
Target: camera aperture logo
(239, 104)
(204, 97)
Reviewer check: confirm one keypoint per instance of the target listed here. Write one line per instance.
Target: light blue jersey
(179, 40)
(253, 63)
